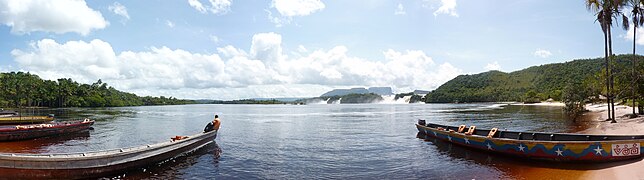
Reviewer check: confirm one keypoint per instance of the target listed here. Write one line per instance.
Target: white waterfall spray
(391, 99)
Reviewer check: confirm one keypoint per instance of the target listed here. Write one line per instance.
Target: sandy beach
(624, 125)
(618, 170)
(555, 103)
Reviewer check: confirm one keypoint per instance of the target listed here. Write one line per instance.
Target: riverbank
(596, 117)
(554, 103)
(624, 125)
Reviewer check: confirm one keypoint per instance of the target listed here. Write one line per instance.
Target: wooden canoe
(25, 119)
(32, 131)
(98, 163)
(543, 146)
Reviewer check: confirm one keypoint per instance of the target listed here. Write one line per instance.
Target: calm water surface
(364, 141)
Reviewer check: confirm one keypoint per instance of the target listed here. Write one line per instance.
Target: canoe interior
(540, 136)
(97, 163)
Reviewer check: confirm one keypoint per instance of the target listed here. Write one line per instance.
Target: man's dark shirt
(209, 127)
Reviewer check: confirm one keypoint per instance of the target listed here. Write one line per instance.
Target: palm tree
(637, 18)
(606, 10)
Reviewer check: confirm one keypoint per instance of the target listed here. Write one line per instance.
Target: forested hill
(545, 81)
(19, 89)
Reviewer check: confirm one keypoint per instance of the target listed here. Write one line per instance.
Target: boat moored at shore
(13, 117)
(32, 131)
(98, 163)
(544, 146)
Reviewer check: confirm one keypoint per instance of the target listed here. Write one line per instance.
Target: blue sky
(228, 49)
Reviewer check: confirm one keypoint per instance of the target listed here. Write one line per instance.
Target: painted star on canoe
(521, 148)
(559, 152)
(598, 150)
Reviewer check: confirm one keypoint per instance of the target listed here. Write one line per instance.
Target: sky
(231, 49)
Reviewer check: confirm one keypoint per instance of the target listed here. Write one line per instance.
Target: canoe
(99, 163)
(13, 117)
(32, 131)
(537, 145)
(25, 119)
(6, 113)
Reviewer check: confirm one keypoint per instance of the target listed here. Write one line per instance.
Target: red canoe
(32, 131)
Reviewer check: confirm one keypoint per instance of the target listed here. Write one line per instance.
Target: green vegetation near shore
(413, 99)
(19, 89)
(359, 98)
(537, 83)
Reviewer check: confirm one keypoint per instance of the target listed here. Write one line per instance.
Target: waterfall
(321, 101)
(391, 99)
(405, 99)
(338, 101)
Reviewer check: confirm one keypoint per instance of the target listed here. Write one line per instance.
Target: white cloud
(542, 53)
(214, 39)
(277, 20)
(61, 16)
(197, 5)
(267, 47)
(302, 49)
(218, 7)
(640, 33)
(86, 62)
(169, 23)
(293, 8)
(400, 10)
(493, 66)
(118, 9)
(447, 7)
(231, 73)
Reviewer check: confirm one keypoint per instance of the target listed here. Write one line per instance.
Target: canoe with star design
(537, 145)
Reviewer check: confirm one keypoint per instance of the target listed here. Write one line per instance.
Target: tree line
(20, 89)
(578, 82)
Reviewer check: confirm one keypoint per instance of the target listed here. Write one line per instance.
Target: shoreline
(596, 117)
(554, 103)
(624, 125)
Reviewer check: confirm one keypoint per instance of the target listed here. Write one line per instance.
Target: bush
(575, 97)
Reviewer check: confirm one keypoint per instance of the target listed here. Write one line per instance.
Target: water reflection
(366, 141)
(206, 157)
(67, 114)
(40, 145)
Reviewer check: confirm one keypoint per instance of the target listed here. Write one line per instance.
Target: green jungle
(19, 89)
(583, 77)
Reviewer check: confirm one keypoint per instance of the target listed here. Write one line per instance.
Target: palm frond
(625, 23)
(592, 5)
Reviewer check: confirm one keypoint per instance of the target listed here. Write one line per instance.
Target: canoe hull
(15, 133)
(97, 164)
(25, 119)
(568, 151)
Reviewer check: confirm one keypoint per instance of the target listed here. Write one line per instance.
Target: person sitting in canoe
(213, 125)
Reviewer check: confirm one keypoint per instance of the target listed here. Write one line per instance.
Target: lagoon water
(339, 141)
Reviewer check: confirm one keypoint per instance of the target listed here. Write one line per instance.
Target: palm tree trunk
(606, 65)
(612, 87)
(633, 68)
